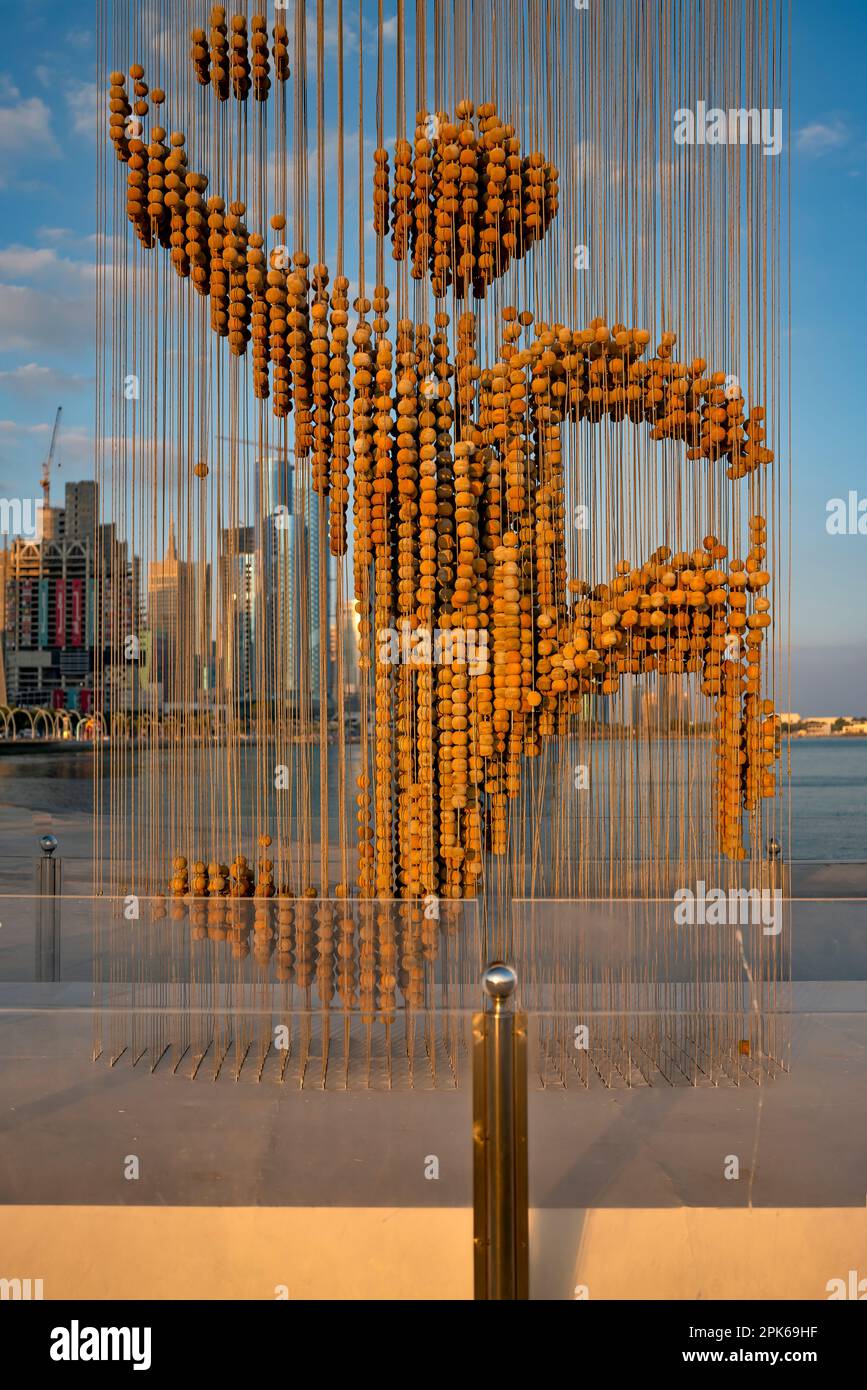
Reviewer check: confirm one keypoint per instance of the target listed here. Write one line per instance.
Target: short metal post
(500, 1192)
(48, 912)
(775, 870)
(776, 880)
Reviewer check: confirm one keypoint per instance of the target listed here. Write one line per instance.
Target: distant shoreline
(842, 734)
(10, 748)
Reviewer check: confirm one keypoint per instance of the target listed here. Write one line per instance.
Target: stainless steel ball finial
(500, 981)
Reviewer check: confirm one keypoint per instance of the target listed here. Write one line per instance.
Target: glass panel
(203, 1036)
(318, 1053)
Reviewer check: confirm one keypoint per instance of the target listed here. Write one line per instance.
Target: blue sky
(47, 251)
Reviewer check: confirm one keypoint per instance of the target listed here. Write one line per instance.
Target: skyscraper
(294, 586)
(71, 594)
(237, 609)
(664, 708)
(80, 511)
(179, 621)
(4, 576)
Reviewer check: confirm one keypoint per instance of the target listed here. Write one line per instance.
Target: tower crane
(45, 482)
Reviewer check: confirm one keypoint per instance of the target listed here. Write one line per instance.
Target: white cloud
(26, 261)
(25, 131)
(9, 428)
(88, 244)
(35, 321)
(819, 137)
(595, 165)
(22, 444)
(53, 233)
(43, 264)
(8, 89)
(33, 381)
(82, 99)
(370, 33)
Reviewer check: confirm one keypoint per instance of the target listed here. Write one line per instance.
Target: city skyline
(248, 633)
(270, 536)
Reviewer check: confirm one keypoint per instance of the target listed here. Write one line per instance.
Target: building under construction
(69, 592)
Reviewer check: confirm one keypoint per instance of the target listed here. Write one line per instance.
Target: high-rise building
(4, 579)
(50, 638)
(294, 585)
(664, 707)
(70, 599)
(179, 623)
(350, 651)
(49, 523)
(119, 608)
(118, 620)
(237, 614)
(80, 512)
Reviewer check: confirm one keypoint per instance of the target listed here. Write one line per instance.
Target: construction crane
(45, 482)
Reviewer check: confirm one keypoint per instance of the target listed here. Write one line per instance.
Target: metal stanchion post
(500, 1194)
(48, 912)
(776, 873)
(777, 882)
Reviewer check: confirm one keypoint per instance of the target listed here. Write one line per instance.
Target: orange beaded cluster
(687, 612)
(238, 63)
(215, 880)
(366, 955)
(463, 202)
(459, 508)
(601, 370)
(299, 332)
(463, 517)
